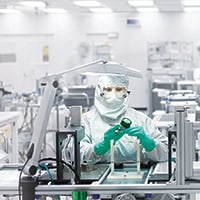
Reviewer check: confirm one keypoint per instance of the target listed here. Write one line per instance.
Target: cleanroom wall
(27, 34)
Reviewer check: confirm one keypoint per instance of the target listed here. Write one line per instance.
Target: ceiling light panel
(192, 9)
(191, 3)
(87, 3)
(115, 5)
(141, 3)
(9, 11)
(34, 4)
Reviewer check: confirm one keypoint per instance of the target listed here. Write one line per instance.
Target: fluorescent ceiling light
(9, 11)
(87, 3)
(153, 9)
(192, 9)
(54, 10)
(141, 3)
(34, 4)
(191, 3)
(101, 10)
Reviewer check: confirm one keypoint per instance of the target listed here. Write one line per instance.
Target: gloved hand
(147, 142)
(114, 133)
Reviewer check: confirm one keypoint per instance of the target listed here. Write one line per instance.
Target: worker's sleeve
(87, 145)
(160, 152)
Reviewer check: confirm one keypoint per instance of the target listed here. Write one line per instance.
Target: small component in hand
(126, 122)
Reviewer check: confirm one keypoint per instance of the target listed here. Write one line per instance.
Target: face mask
(111, 107)
(114, 100)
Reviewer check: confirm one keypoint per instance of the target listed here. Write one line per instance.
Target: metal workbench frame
(116, 188)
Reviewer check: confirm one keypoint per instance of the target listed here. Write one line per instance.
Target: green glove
(114, 133)
(147, 142)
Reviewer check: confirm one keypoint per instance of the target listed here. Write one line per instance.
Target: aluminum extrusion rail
(116, 188)
(8, 190)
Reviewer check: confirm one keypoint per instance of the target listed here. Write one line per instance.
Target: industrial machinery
(179, 98)
(55, 177)
(168, 63)
(34, 164)
(183, 182)
(80, 96)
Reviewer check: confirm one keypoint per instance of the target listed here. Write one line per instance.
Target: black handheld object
(125, 122)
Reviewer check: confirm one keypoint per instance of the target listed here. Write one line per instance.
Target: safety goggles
(119, 91)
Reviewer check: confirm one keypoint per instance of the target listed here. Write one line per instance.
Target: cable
(65, 163)
(43, 165)
(49, 173)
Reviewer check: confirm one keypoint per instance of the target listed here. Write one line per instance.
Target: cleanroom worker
(101, 123)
